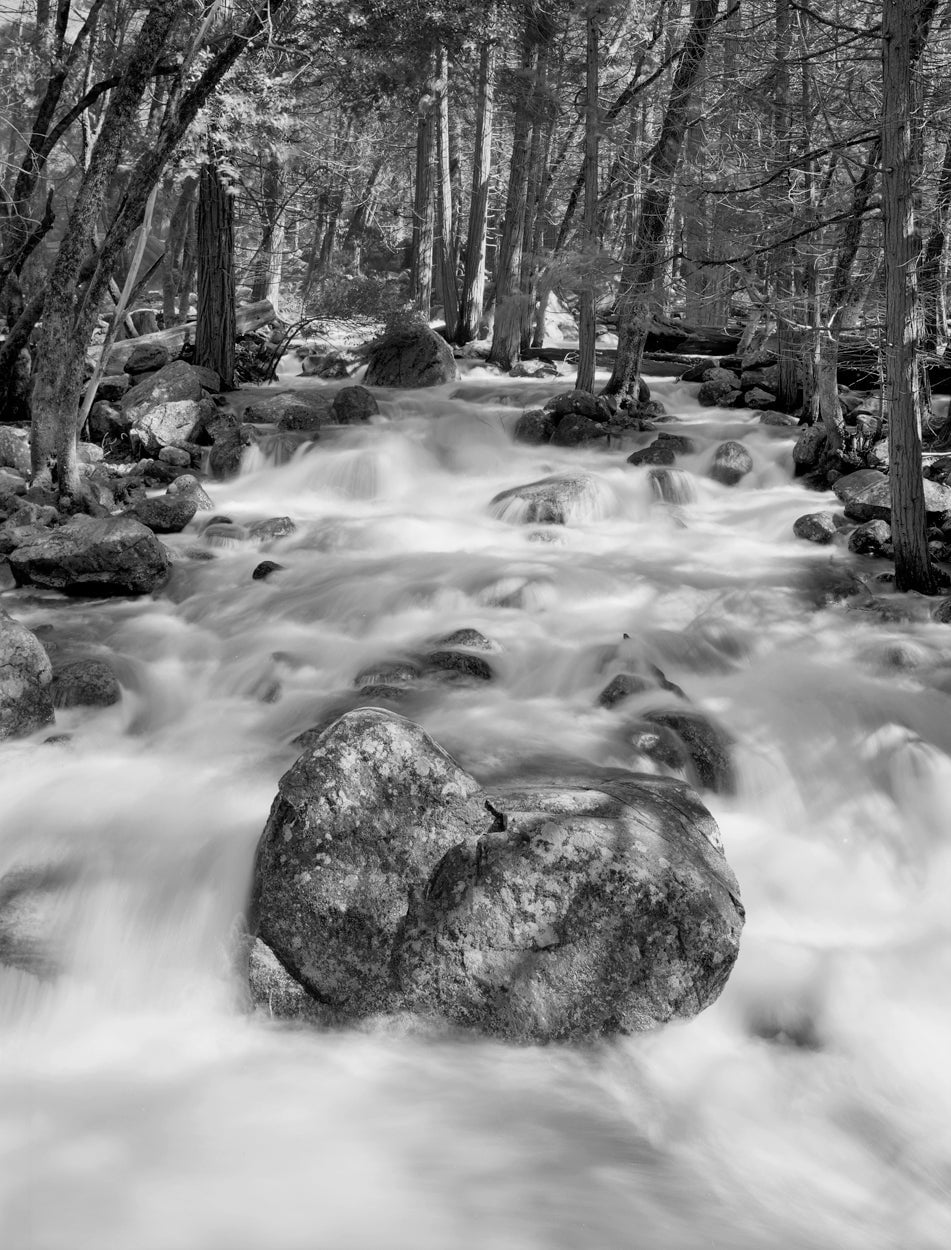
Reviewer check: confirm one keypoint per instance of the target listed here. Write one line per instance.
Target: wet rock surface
(94, 556)
(25, 678)
(388, 880)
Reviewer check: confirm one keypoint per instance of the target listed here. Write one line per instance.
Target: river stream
(143, 1108)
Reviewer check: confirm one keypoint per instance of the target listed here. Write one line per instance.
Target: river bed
(143, 1108)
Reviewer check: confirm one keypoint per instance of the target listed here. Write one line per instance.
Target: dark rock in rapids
(941, 612)
(94, 556)
(264, 570)
(535, 426)
(85, 683)
(575, 430)
(817, 527)
(473, 639)
(388, 880)
(227, 451)
(460, 665)
(808, 450)
(623, 686)
(707, 745)
(353, 404)
(37, 914)
(409, 356)
(871, 538)
(583, 403)
(290, 411)
(656, 453)
(25, 677)
(731, 463)
(166, 514)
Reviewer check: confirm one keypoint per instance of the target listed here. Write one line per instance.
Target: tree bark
(448, 288)
(904, 31)
(270, 259)
(215, 328)
(641, 265)
(421, 270)
(473, 291)
(509, 299)
(588, 292)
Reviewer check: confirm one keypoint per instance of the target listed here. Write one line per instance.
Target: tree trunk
(215, 328)
(507, 334)
(932, 282)
(642, 263)
(473, 291)
(270, 261)
(904, 30)
(68, 318)
(447, 261)
(421, 270)
(586, 321)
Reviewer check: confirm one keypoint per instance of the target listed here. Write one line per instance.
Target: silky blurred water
(142, 1107)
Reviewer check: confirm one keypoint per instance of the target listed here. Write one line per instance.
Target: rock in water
(553, 501)
(86, 683)
(25, 676)
(412, 355)
(387, 880)
(94, 556)
(867, 496)
(359, 823)
(353, 404)
(731, 462)
(598, 911)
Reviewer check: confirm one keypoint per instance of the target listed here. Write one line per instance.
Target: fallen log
(250, 317)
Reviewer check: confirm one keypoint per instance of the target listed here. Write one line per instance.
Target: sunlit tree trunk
(473, 291)
(448, 288)
(424, 209)
(644, 258)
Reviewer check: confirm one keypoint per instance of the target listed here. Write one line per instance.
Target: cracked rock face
(387, 879)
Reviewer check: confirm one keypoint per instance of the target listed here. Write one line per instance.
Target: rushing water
(141, 1108)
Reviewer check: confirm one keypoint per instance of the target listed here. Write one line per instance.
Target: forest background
(776, 167)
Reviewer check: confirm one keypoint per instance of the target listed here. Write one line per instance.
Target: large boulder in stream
(358, 825)
(731, 463)
(411, 355)
(94, 556)
(25, 676)
(387, 880)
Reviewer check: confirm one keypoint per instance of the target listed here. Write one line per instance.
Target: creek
(143, 1108)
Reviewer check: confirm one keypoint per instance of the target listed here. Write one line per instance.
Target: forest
(475, 589)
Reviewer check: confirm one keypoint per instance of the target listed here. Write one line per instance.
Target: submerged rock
(707, 745)
(388, 880)
(86, 683)
(551, 501)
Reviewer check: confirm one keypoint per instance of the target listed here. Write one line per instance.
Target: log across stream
(143, 1108)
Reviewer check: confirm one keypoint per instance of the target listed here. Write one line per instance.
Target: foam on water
(141, 1107)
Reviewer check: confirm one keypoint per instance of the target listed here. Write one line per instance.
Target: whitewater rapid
(143, 1108)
